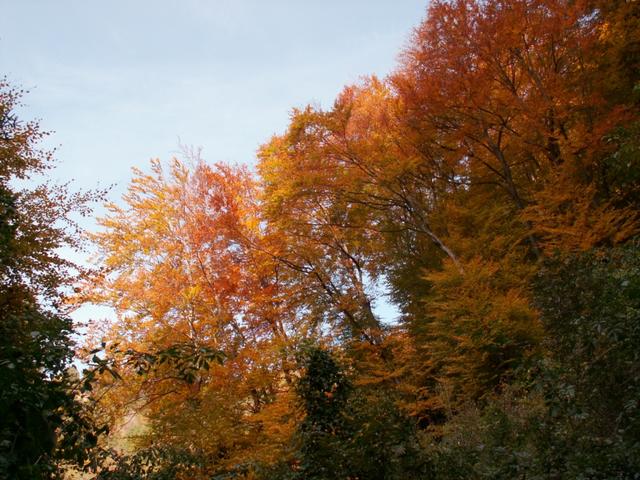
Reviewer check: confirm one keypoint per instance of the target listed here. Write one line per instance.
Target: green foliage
(576, 414)
(349, 431)
(323, 392)
(155, 463)
(620, 177)
(591, 309)
(41, 419)
(186, 359)
(498, 440)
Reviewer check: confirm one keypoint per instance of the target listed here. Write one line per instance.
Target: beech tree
(188, 266)
(507, 136)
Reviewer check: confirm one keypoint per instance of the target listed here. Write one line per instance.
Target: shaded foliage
(349, 431)
(42, 418)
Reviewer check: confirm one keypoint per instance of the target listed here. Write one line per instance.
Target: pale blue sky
(123, 81)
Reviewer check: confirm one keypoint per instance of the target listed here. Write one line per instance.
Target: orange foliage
(447, 183)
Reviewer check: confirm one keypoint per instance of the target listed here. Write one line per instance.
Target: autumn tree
(507, 136)
(481, 154)
(188, 266)
(301, 175)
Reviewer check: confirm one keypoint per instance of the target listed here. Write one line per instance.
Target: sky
(119, 82)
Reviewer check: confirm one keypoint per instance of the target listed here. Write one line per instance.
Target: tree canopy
(488, 188)
(43, 421)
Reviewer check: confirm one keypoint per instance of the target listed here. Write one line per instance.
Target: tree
(187, 268)
(41, 421)
(507, 135)
(348, 431)
(590, 305)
